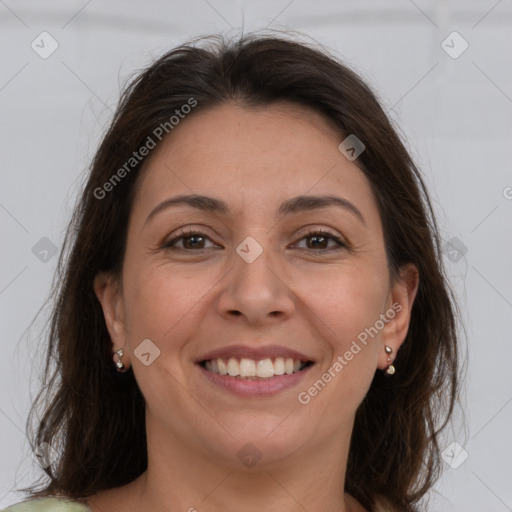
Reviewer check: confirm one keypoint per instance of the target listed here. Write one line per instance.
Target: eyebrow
(294, 205)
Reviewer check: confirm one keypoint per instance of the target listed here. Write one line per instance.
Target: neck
(179, 477)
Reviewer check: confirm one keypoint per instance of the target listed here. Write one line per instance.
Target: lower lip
(255, 387)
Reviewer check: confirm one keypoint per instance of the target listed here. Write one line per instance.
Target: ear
(401, 299)
(108, 291)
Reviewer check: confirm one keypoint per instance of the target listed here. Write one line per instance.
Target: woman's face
(254, 285)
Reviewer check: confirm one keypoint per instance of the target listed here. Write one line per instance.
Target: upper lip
(244, 351)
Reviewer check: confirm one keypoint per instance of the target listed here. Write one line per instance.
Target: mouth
(254, 372)
(251, 369)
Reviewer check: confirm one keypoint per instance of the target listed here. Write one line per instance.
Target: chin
(269, 438)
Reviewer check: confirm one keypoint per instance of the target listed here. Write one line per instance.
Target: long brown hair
(94, 416)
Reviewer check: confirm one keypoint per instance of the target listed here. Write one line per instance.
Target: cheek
(346, 300)
(161, 305)
(346, 305)
(158, 303)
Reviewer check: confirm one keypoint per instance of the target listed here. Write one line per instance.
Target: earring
(390, 370)
(118, 354)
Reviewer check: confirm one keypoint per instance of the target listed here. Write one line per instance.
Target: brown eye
(319, 240)
(195, 240)
(191, 240)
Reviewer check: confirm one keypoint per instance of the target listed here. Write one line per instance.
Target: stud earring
(118, 354)
(390, 370)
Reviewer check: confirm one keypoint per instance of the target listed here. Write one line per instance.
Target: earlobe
(107, 290)
(401, 300)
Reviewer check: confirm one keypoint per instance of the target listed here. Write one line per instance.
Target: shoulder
(48, 504)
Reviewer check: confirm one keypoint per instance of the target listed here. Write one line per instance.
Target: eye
(190, 239)
(193, 239)
(320, 238)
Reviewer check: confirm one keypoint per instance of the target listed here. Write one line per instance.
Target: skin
(294, 294)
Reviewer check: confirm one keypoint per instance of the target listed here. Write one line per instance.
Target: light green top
(54, 504)
(48, 504)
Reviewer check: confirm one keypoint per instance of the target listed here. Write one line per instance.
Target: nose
(256, 291)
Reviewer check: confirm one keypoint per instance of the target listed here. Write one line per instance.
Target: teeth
(264, 368)
(248, 368)
(223, 369)
(233, 367)
(279, 366)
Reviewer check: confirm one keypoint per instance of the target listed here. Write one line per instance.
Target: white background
(455, 113)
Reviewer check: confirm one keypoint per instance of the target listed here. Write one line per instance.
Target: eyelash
(190, 233)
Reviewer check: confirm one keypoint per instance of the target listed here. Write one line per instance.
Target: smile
(245, 368)
(250, 378)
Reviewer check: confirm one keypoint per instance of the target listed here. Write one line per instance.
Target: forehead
(252, 156)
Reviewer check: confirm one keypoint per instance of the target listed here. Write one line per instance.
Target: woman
(253, 313)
